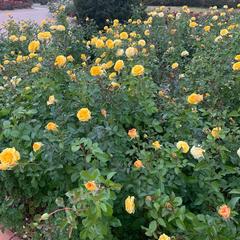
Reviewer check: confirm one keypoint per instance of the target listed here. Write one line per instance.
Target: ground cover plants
(129, 132)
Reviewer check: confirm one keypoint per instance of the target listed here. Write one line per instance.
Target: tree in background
(100, 10)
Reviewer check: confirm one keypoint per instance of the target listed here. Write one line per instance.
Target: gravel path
(36, 13)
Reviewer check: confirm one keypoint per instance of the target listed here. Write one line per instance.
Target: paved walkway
(36, 13)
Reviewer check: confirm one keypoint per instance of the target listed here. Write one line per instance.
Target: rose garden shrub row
(131, 132)
(193, 3)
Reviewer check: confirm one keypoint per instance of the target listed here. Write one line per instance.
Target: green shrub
(100, 10)
(144, 134)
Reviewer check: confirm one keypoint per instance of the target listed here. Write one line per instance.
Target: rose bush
(131, 132)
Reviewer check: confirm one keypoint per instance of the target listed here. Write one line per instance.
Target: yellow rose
(19, 58)
(119, 65)
(130, 205)
(112, 75)
(13, 38)
(44, 35)
(60, 28)
(9, 158)
(51, 126)
(131, 52)
(236, 66)
(37, 146)
(141, 43)
(123, 35)
(237, 57)
(137, 70)
(117, 42)
(60, 61)
(83, 57)
(51, 100)
(96, 71)
(195, 98)
(224, 32)
(115, 85)
(33, 46)
(164, 237)
(70, 58)
(35, 69)
(84, 115)
(216, 132)
(22, 38)
(109, 64)
(99, 43)
(147, 33)
(197, 152)
(156, 145)
(183, 146)
(110, 44)
(193, 24)
(175, 65)
(207, 28)
(119, 52)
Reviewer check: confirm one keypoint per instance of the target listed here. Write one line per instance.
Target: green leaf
(152, 226)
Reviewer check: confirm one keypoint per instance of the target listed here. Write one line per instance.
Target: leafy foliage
(130, 134)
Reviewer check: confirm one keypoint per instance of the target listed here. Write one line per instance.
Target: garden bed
(131, 130)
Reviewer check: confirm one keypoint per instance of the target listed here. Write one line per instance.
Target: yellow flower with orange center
(91, 186)
(164, 237)
(110, 44)
(33, 46)
(175, 65)
(156, 145)
(137, 70)
(207, 28)
(44, 36)
(183, 146)
(132, 133)
(130, 205)
(9, 158)
(193, 24)
(60, 61)
(96, 71)
(224, 32)
(13, 38)
(131, 52)
(236, 66)
(22, 38)
(141, 43)
(35, 69)
(51, 100)
(224, 211)
(119, 65)
(99, 43)
(237, 57)
(195, 98)
(197, 152)
(70, 58)
(84, 115)
(51, 126)
(37, 146)
(123, 35)
(216, 132)
(138, 164)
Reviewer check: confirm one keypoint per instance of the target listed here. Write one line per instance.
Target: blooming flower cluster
(148, 108)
